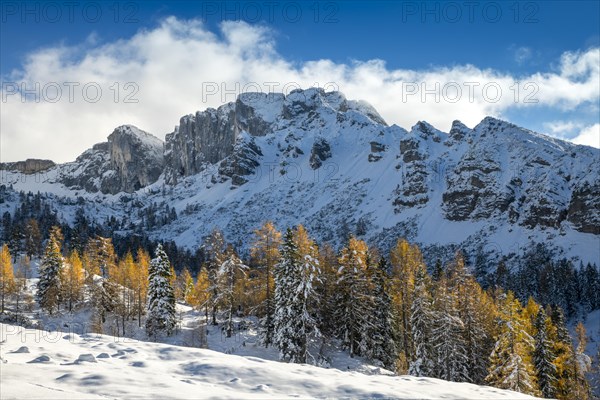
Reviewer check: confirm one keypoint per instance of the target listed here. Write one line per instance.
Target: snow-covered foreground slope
(37, 364)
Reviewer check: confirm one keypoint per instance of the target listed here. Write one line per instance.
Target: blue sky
(554, 42)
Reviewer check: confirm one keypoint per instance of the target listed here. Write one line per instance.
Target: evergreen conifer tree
(49, 290)
(161, 298)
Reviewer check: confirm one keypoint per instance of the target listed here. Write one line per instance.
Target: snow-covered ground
(39, 364)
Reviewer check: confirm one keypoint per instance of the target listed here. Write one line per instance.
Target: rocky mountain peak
(210, 136)
(129, 160)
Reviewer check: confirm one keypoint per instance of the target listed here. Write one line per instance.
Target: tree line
(393, 311)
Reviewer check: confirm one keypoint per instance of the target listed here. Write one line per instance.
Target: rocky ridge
(333, 164)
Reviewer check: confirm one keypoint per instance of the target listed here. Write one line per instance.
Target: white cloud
(562, 128)
(172, 64)
(522, 54)
(589, 136)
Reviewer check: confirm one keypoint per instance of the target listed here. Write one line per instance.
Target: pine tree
(596, 372)
(284, 272)
(422, 320)
(381, 344)
(100, 258)
(305, 301)
(543, 357)
(33, 238)
(296, 299)
(265, 250)
(161, 298)
(447, 337)
(103, 298)
(7, 279)
(511, 366)
(48, 294)
(475, 310)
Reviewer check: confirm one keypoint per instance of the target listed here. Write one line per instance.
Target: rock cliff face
(136, 156)
(210, 136)
(29, 166)
(130, 160)
(494, 171)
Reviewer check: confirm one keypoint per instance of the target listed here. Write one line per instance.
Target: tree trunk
(230, 321)
(139, 308)
(214, 314)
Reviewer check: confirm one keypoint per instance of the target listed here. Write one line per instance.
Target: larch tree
(21, 276)
(140, 282)
(265, 251)
(215, 246)
(228, 275)
(327, 290)
(405, 259)
(49, 290)
(511, 364)
(201, 294)
(7, 278)
(123, 276)
(582, 364)
(72, 280)
(355, 303)
(185, 284)
(566, 369)
(161, 317)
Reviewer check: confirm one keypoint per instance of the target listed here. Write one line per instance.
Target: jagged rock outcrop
(209, 136)
(29, 166)
(242, 162)
(129, 161)
(413, 187)
(136, 156)
(584, 208)
(319, 152)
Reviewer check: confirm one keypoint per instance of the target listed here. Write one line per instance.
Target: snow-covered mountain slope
(41, 364)
(334, 165)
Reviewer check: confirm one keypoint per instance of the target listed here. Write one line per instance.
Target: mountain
(130, 160)
(335, 165)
